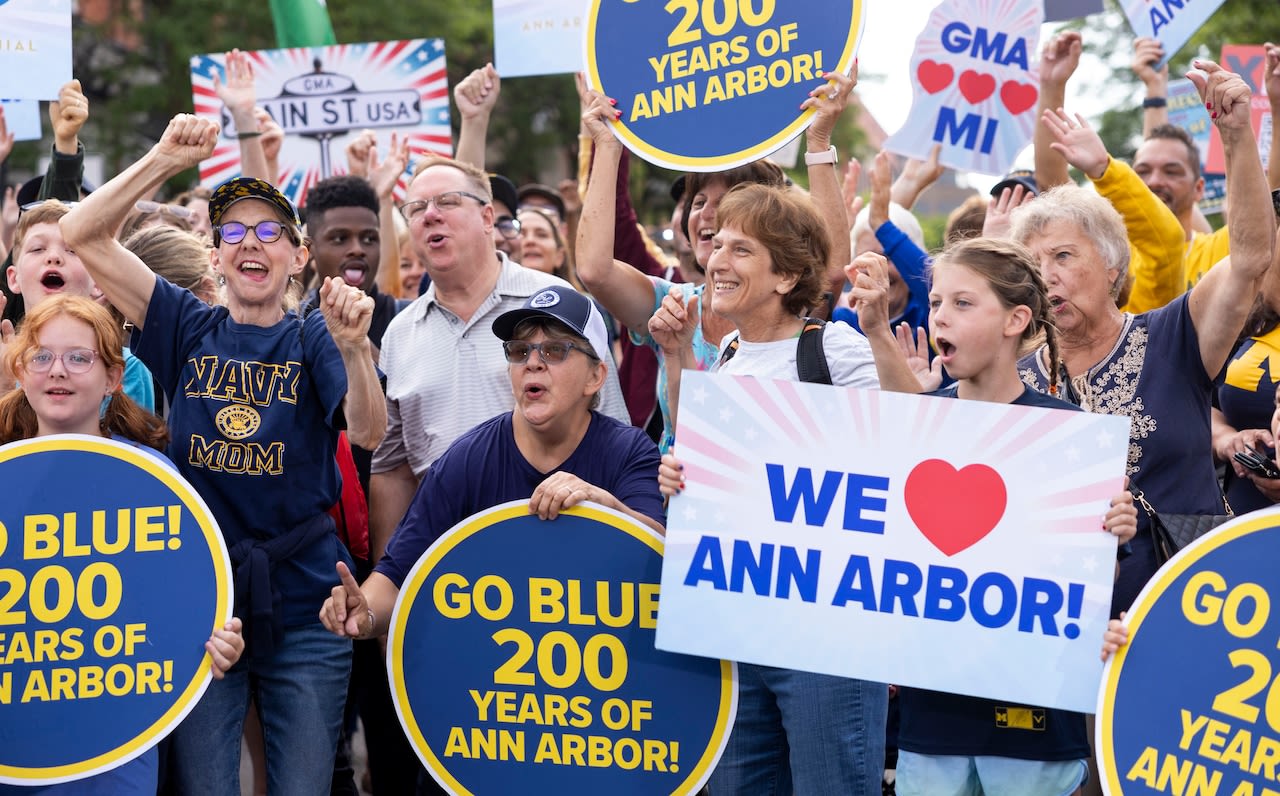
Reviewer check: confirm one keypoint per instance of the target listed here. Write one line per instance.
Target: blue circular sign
(706, 85)
(113, 574)
(521, 657)
(1192, 703)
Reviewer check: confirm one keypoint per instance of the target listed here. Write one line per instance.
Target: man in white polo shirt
(445, 372)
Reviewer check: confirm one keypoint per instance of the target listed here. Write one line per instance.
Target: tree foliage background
(135, 72)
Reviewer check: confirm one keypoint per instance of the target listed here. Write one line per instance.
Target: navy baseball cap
(1024, 177)
(563, 304)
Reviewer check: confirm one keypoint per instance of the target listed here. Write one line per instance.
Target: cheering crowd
(343, 391)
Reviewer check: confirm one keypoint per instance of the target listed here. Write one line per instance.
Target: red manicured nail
(613, 102)
(617, 114)
(1213, 115)
(1208, 105)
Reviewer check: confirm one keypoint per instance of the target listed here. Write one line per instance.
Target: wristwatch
(827, 156)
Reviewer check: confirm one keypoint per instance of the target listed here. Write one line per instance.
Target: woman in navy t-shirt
(257, 398)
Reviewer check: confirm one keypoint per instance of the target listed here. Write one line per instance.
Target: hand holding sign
(1148, 64)
(225, 647)
(829, 100)
(600, 111)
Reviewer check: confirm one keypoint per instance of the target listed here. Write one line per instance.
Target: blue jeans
(300, 692)
(956, 775)
(803, 733)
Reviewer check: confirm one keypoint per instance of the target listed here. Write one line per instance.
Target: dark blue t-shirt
(255, 415)
(936, 723)
(483, 468)
(1247, 398)
(1154, 376)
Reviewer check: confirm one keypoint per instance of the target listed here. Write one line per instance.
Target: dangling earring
(292, 281)
(222, 281)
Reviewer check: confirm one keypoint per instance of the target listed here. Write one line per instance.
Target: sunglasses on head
(37, 203)
(177, 211)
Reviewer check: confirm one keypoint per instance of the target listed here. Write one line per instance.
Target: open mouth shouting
(52, 281)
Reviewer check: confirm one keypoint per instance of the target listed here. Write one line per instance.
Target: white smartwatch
(826, 156)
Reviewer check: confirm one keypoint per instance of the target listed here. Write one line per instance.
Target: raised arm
(916, 177)
(384, 175)
(65, 175)
(869, 275)
(830, 99)
(1147, 52)
(622, 289)
(1058, 61)
(1155, 236)
(475, 97)
(1216, 306)
(238, 95)
(347, 314)
(1272, 82)
(90, 227)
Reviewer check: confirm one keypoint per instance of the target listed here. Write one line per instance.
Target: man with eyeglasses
(444, 372)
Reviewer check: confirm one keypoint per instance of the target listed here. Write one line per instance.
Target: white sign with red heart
(975, 85)
(870, 534)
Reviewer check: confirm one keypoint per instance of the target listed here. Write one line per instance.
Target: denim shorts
(956, 775)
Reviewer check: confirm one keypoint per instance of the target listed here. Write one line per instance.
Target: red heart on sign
(933, 76)
(976, 86)
(954, 510)
(1017, 97)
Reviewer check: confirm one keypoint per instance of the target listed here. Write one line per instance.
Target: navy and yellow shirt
(255, 416)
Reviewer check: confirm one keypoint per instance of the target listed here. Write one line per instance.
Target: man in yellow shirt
(1169, 163)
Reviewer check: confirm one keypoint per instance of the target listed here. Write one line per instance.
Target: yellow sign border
(417, 578)
(671, 160)
(191, 693)
(1104, 739)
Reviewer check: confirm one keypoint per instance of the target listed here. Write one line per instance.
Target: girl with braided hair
(988, 303)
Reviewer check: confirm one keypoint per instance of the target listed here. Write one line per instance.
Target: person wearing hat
(257, 398)
(442, 376)
(1018, 177)
(553, 449)
(535, 194)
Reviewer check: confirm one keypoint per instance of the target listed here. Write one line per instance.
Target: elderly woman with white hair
(1157, 368)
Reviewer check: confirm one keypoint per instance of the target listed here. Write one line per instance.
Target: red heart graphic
(976, 86)
(1017, 97)
(933, 76)
(954, 510)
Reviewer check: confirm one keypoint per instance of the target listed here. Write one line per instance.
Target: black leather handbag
(1172, 532)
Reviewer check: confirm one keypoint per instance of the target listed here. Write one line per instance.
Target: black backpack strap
(811, 359)
(729, 350)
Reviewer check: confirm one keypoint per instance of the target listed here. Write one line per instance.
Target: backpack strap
(811, 359)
